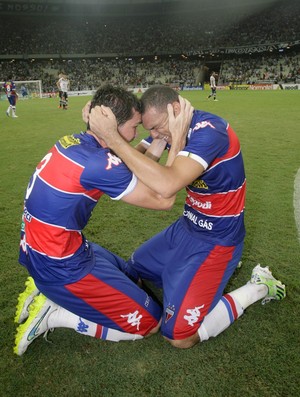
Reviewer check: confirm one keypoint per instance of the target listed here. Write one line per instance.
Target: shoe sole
(24, 300)
(22, 329)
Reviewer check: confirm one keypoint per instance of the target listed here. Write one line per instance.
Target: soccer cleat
(24, 300)
(7, 114)
(262, 275)
(36, 324)
(14, 116)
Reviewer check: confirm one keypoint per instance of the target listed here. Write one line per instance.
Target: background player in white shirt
(213, 87)
(63, 85)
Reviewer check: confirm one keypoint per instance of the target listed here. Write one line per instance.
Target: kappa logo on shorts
(193, 316)
(134, 319)
(170, 310)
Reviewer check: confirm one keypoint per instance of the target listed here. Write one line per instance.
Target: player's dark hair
(158, 96)
(121, 102)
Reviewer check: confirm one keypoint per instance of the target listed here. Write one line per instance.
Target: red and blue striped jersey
(60, 198)
(9, 88)
(214, 206)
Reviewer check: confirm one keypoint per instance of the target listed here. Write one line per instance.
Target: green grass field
(259, 355)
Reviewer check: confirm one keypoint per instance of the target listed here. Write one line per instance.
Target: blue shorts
(192, 273)
(107, 296)
(12, 100)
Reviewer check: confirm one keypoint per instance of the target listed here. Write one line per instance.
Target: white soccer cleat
(15, 116)
(263, 275)
(36, 324)
(25, 299)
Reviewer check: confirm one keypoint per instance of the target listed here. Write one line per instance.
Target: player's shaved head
(158, 97)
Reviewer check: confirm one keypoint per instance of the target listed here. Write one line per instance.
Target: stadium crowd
(93, 50)
(89, 74)
(273, 68)
(148, 35)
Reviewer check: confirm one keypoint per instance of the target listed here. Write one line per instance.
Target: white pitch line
(297, 201)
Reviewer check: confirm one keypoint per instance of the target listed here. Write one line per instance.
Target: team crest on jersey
(200, 184)
(170, 310)
(69, 140)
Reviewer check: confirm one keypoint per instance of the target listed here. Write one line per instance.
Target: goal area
(27, 89)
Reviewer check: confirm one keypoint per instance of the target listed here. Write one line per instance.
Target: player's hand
(179, 125)
(103, 123)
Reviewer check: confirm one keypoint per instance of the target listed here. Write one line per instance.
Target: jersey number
(39, 168)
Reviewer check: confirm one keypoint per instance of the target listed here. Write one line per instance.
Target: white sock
(62, 318)
(249, 294)
(221, 317)
(229, 308)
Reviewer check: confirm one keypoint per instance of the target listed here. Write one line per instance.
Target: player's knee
(154, 330)
(186, 343)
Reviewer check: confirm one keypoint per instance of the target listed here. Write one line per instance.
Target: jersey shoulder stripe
(233, 148)
(63, 173)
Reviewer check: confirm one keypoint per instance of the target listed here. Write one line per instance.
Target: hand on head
(179, 123)
(102, 122)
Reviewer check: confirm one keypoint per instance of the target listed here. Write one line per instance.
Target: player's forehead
(136, 118)
(152, 117)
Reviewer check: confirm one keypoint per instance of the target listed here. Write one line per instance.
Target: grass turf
(257, 356)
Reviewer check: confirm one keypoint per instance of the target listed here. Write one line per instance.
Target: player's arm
(144, 197)
(154, 151)
(141, 147)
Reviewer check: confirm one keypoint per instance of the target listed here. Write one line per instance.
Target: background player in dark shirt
(12, 96)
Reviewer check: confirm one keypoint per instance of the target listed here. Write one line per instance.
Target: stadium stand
(143, 50)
